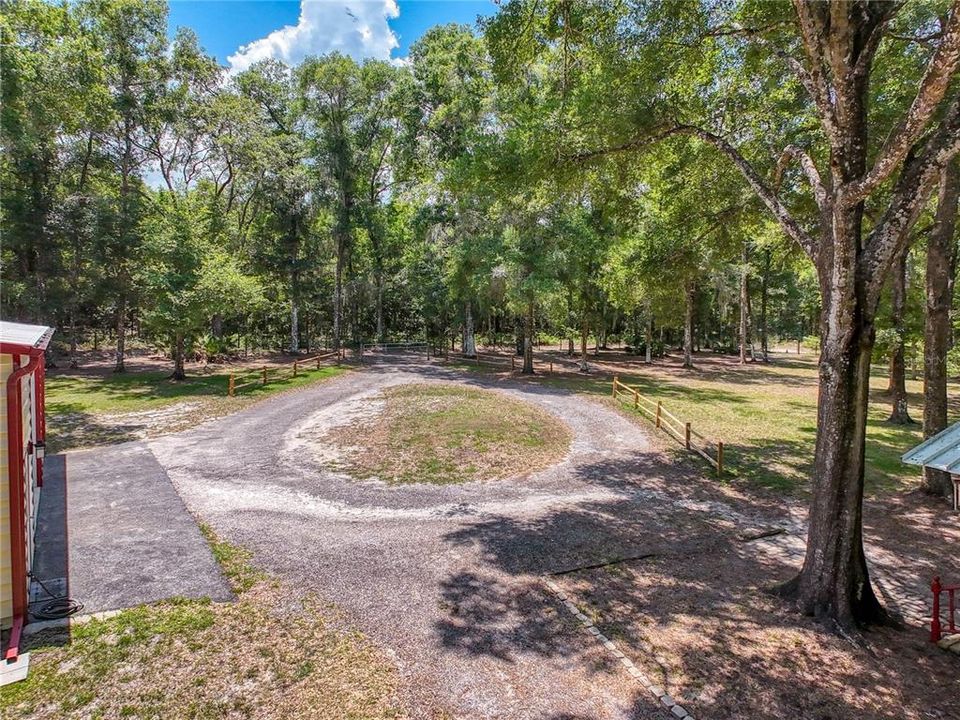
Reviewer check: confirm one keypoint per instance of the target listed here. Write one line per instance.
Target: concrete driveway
(112, 533)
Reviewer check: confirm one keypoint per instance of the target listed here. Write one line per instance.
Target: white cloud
(353, 27)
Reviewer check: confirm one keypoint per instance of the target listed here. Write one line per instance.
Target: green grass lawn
(766, 417)
(765, 414)
(84, 410)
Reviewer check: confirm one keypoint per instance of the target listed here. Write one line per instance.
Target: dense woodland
(673, 176)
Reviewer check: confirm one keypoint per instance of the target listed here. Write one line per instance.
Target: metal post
(952, 607)
(935, 620)
(230, 386)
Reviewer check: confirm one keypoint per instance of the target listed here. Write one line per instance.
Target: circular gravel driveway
(447, 579)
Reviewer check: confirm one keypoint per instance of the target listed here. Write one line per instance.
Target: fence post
(719, 458)
(613, 392)
(687, 433)
(551, 367)
(935, 620)
(264, 375)
(636, 399)
(295, 368)
(318, 362)
(230, 385)
(659, 406)
(513, 363)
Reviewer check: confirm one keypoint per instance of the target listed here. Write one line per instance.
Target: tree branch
(814, 79)
(766, 194)
(910, 194)
(794, 152)
(936, 79)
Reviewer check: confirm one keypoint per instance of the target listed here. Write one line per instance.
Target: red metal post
(935, 621)
(952, 606)
(18, 509)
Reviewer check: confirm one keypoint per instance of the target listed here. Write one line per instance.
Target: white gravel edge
(656, 691)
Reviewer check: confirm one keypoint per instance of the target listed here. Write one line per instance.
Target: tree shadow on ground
(693, 610)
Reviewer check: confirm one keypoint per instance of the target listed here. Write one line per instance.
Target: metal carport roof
(941, 452)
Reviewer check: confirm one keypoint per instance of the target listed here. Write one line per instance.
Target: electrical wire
(57, 608)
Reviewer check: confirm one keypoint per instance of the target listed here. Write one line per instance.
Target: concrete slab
(113, 532)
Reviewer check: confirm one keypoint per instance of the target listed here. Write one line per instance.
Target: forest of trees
(719, 176)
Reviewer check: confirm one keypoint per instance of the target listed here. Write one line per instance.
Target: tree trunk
(764, 282)
(899, 414)
(941, 253)
(121, 327)
(178, 371)
(584, 330)
(337, 301)
(834, 583)
(381, 330)
(528, 340)
(469, 336)
(294, 327)
(73, 339)
(649, 337)
(691, 296)
(744, 304)
(602, 337)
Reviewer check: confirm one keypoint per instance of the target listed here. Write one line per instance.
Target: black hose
(57, 608)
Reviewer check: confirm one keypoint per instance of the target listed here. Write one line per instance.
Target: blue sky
(291, 29)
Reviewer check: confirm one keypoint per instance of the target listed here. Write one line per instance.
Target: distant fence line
(263, 376)
(671, 424)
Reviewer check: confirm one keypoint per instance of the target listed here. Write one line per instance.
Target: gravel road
(446, 578)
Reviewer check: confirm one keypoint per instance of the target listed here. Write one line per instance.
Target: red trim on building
(18, 509)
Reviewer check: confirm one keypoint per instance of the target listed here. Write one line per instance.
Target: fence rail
(663, 419)
(502, 361)
(263, 375)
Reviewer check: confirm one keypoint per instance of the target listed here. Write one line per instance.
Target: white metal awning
(941, 452)
(22, 334)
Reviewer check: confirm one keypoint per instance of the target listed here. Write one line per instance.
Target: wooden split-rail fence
(501, 361)
(261, 377)
(709, 450)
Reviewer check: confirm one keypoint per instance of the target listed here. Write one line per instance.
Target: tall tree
(941, 264)
(133, 38)
(853, 158)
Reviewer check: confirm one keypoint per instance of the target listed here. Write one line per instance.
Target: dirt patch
(703, 626)
(443, 433)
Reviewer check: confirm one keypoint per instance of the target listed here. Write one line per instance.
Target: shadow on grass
(693, 613)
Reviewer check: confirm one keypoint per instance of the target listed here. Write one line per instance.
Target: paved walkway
(114, 533)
